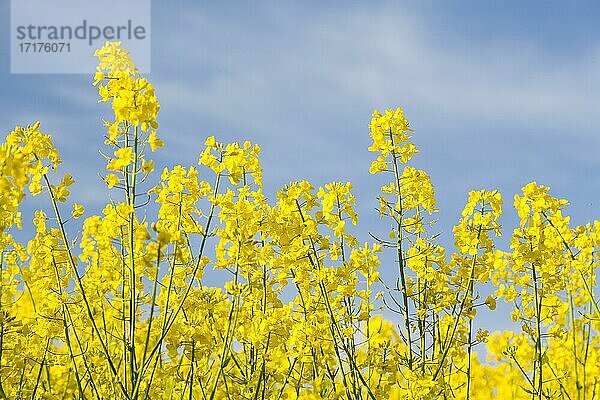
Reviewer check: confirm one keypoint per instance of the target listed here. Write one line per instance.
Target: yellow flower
(112, 180)
(154, 141)
(490, 301)
(210, 142)
(124, 158)
(78, 210)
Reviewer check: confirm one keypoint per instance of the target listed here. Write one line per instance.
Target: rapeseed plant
(122, 311)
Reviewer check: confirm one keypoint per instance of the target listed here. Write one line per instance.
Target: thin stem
(400, 256)
(80, 285)
(538, 326)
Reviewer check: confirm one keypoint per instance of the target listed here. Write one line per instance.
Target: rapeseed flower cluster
(122, 310)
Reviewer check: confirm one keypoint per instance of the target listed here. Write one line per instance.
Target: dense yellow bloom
(122, 310)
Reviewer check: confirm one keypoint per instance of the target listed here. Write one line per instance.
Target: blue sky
(499, 94)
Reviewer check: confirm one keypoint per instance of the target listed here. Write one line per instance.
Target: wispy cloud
(488, 111)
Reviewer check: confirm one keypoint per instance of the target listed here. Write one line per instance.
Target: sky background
(499, 94)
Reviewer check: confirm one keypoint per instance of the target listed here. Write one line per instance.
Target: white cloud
(371, 56)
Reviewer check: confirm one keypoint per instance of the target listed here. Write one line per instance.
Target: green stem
(131, 195)
(80, 285)
(400, 256)
(538, 341)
